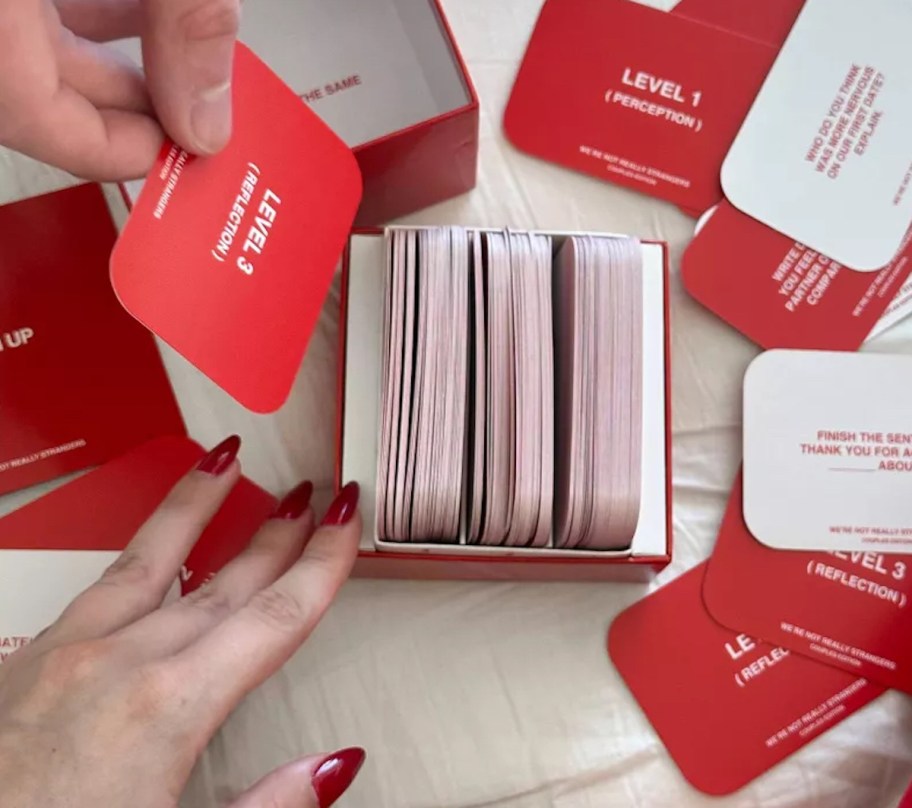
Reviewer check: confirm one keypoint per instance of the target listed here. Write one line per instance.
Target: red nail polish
(294, 503)
(221, 457)
(335, 774)
(343, 507)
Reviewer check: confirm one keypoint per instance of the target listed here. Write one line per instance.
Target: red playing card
(850, 610)
(768, 21)
(80, 381)
(229, 258)
(643, 98)
(727, 707)
(103, 509)
(780, 294)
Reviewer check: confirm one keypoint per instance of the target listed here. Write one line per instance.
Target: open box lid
(228, 258)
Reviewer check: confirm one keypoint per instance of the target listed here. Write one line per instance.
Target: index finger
(252, 644)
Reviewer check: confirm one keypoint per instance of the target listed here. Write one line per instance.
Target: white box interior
(392, 57)
(361, 425)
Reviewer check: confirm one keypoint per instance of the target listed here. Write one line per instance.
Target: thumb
(188, 52)
(311, 782)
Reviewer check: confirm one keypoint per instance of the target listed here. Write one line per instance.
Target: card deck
(229, 258)
(598, 328)
(80, 381)
(423, 425)
(782, 294)
(510, 444)
(849, 610)
(640, 97)
(726, 706)
(543, 408)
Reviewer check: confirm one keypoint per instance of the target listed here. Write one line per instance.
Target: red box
(361, 316)
(388, 78)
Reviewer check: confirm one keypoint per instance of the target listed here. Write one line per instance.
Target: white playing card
(824, 155)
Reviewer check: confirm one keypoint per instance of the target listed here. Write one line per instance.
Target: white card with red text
(828, 451)
(825, 154)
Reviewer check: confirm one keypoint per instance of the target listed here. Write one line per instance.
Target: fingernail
(221, 457)
(294, 503)
(343, 507)
(335, 774)
(210, 119)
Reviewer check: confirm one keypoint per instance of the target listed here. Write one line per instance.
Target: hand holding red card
(229, 258)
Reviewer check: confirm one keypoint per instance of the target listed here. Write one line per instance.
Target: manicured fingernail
(210, 119)
(221, 457)
(294, 503)
(343, 507)
(335, 774)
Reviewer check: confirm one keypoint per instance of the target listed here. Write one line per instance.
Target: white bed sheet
(496, 694)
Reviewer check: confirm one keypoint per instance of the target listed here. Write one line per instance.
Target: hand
(113, 704)
(77, 104)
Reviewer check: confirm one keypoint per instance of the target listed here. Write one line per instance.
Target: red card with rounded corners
(727, 707)
(634, 95)
(80, 380)
(852, 610)
(768, 21)
(229, 258)
(781, 294)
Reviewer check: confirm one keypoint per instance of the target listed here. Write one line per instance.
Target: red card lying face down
(851, 610)
(726, 706)
(80, 381)
(634, 95)
(229, 258)
(103, 509)
(779, 293)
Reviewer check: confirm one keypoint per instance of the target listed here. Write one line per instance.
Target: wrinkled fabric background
(495, 694)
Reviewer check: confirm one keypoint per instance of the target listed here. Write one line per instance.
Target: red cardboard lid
(228, 258)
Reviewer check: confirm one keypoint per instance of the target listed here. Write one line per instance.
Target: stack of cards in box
(512, 390)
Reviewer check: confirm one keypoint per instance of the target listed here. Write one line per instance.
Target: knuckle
(130, 569)
(153, 690)
(205, 20)
(279, 609)
(77, 662)
(210, 600)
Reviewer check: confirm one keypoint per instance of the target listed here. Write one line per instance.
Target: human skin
(70, 100)
(114, 703)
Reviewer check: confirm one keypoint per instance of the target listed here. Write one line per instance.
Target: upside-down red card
(80, 381)
(781, 294)
(851, 610)
(229, 258)
(54, 547)
(726, 706)
(634, 95)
